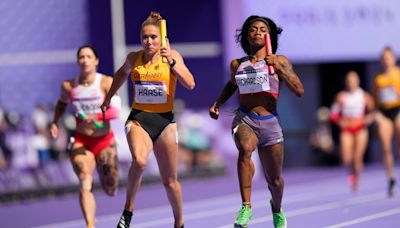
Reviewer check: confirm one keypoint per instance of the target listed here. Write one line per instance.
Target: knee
(139, 165)
(276, 182)
(245, 153)
(247, 147)
(110, 190)
(86, 182)
(110, 186)
(170, 183)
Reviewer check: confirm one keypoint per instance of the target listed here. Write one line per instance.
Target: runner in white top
(94, 144)
(352, 112)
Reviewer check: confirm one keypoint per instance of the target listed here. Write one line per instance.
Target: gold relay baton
(163, 33)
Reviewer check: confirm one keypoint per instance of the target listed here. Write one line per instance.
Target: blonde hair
(153, 19)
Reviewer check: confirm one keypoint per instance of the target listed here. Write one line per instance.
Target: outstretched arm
(60, 108)
(119, 78)
(228, 90)
(336, 109)
(286, 72)
(113, 110)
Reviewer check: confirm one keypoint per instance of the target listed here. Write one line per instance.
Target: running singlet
(387, 89)
(254, 78)
(353, 104)
(351, 107)
(153, 86)
(87, 99)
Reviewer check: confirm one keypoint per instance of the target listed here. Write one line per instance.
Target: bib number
(150, 92)
(388, 95)
(253, 83)
(88, 107)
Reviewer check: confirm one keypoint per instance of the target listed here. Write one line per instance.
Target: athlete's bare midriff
(259, 105)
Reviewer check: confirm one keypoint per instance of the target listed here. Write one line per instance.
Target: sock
(127, 213)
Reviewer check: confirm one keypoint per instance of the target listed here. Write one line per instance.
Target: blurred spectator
(5, 151)
(321, 136)
(41, 139)
(195, 143)
(322, 139)
(47, 147)
(23, 155)
(195, 146)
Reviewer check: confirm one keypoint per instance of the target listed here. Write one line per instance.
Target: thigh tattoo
(109, 162)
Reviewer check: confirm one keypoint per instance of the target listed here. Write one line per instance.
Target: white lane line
(189, 205)
(321, 207)
(367, 218)
(261, 204)
(307, 194)
(222, 211)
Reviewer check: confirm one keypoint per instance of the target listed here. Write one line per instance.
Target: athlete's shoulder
(66, 88)
(366, 93)
(106, 78)
(67, 84)
(379, 75)
(283, 58)
(236, 62)
(341, 96)
(106, 81)
(133, 55)
(240, 60)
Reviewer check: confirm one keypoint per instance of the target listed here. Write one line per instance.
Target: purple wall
(35, 36)
(38, 47)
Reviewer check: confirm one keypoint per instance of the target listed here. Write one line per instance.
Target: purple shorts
(267, 128)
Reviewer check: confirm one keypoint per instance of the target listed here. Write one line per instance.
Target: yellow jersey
(153, 86)
(387, 89)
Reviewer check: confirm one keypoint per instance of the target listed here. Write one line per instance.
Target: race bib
(253, 82)
(388, 95)
(87, 105)
(147, 92)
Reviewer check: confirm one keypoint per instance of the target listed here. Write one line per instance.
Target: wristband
(171, 65)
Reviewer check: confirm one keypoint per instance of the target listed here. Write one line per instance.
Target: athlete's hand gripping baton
(83, 116)
(268, 49)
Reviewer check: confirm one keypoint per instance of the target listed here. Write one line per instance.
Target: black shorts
(391, 113)
(153, 123)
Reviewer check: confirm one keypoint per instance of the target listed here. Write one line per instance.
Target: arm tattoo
(78, 167)
(290, 77)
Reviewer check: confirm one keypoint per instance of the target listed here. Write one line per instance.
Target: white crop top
(87, 99)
